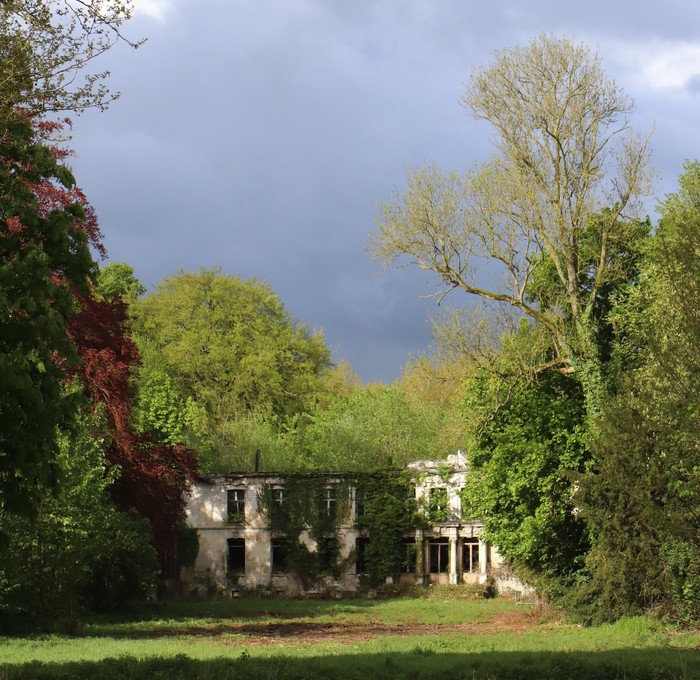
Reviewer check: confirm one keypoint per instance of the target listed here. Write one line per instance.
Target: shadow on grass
(206, 629)
(627, 664)
(233, 608)
(212, 618)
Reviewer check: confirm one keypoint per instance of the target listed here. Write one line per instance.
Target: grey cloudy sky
(260, 136)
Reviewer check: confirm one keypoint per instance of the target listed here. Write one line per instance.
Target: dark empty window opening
(327, 550)
(470, 556)
(439, 556)
(280, 563)
(360, 554)
(236, 555)
(235, 505)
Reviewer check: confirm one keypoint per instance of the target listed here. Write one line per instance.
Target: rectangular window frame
(235, 506)
(277, 495)
(470, 556)
(361, 543)
(329, 501)
(360, 503)
(279, 559)
(235, 558)
(439, 556)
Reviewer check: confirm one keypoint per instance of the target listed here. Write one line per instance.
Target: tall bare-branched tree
(543, 227)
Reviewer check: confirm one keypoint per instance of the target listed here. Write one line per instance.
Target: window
(439, 556)
(327, 549)
(360, 500)
(408, 559)
(277, 496)
(280, 563)
(235, 505)
(470, 555)
(437, 505)
(328, 501)
(236, 555)
(360, 554)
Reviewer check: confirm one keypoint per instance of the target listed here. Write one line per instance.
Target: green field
(436, 637)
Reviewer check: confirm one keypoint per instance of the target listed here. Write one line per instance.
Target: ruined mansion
(239, 549)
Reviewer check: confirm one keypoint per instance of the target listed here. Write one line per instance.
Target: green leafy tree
(52, 561)
(232, 352)
(117, 278)
(549, 232)
(253, 439)
(643, 495)
(375, 427)
(521, 479)
(624, 502)
(160, 407)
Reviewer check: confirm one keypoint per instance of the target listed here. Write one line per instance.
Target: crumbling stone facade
(238, 551)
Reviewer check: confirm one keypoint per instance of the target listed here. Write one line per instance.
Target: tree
(520, 480)
(340, 379)
(154, 475)
(159, 407)
(641, 499)
(54, 560)
(82, 338)
(117, 278)
(46, 45)
(231, 347)
(560, 197)
(375, 427)
(44, 261)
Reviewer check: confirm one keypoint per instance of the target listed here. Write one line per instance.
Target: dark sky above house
(260, 136)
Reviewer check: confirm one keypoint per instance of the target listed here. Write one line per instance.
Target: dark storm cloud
(260, 136)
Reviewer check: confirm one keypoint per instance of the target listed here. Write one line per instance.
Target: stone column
(420, 557)
(453, 557)
(483, 561)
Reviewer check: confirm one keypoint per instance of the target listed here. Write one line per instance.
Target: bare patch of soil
(348, 633)
(344, 632)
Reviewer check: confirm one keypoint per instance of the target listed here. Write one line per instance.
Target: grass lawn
(435, 637)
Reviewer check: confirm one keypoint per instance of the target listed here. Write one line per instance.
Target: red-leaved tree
(154, 476)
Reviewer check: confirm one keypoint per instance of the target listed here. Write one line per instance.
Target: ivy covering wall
(315, 505)
(319, 507)
(390, 514)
